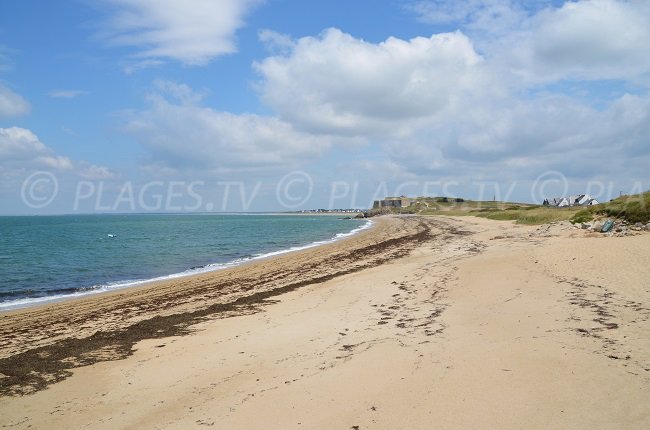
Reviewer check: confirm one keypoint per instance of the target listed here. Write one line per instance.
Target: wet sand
(456, 322)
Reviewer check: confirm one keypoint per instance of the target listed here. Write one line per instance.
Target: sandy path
(500, 328)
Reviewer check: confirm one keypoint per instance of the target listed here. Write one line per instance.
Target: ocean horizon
(57, 257)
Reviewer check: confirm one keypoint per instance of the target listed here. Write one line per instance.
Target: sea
(52, 258)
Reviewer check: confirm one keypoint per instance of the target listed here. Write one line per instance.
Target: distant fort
(393, 202)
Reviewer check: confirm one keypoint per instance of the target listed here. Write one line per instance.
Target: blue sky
(302, 104)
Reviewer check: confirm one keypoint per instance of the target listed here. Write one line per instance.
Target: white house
(561, 202)
(586, 200)
(576, 200)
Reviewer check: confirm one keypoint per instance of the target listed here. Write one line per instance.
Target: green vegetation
(585, 215)
(634, 208)
(530, 215)
(522, 213)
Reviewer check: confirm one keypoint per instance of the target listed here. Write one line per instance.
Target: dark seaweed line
(36, 369)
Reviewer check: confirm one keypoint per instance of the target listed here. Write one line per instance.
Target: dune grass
(532, 216)
(634, 208)
(522, 213)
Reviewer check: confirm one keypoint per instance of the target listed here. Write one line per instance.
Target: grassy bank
(633, 208)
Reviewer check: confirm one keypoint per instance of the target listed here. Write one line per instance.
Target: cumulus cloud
(21, 150)
(485, 101)
(20, 145)
(595, 39)
(441, 106)
(12, 104)
(339, 84)
(192, 33)
(599, 39)
(178, 131)
(528, 137)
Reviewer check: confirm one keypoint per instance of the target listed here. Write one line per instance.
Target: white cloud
(132, 67)
(599, 39)
(465, 12)
(442, 11)
(22, 146)
(12, 104)
(182, 93)
(478, 102)
(178, 131)
(434, 106)
(22, 150)
(65, 94)
(524, 138)
(595, 39)
(94, 172)
(338, 84)
(192, 32)
(487, 19)
(24, 163)
(276, 42)
(626, 126)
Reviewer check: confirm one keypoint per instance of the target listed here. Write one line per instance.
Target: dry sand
(420, 323)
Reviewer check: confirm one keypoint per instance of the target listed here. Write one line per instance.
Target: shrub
(635, 208)
(584, 215)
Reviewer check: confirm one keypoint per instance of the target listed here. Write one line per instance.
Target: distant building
(560, 202)
(585, 200)
(576, 200)
(393, 202)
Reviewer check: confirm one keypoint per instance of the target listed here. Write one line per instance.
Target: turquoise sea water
(46, 258)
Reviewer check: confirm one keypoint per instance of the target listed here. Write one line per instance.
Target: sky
(265, 105)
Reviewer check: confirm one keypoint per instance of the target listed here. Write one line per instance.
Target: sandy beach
(417, 323)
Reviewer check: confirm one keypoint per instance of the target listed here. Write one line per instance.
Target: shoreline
(125, 316)
(463, 322)
(29, 302)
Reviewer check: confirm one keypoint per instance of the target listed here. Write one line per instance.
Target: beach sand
(417, 323)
